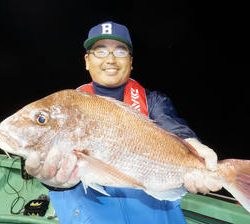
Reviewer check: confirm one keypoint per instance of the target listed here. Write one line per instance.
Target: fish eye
(42, 119)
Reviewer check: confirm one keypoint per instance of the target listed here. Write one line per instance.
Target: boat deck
(15, 192)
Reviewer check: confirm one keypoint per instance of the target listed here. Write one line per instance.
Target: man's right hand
(56, 169)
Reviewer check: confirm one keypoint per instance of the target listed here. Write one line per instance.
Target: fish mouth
(8, 144)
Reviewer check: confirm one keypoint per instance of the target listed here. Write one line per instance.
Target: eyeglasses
(103, 52)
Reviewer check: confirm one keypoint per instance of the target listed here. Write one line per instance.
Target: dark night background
(196, 52)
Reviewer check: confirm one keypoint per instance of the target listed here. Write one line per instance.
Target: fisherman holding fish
(108, 58)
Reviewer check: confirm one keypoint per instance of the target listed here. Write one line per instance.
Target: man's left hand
(200, 182)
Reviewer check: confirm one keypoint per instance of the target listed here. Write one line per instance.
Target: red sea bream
(115, 146)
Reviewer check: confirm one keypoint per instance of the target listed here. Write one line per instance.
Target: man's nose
(111, 56)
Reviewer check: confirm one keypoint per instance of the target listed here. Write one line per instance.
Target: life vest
(134, 95)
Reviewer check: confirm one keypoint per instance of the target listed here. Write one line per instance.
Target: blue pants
(123, 206)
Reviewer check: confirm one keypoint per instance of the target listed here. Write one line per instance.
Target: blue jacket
(124, 206)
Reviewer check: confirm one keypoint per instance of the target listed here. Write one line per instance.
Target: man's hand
(56, 169)
(200, 182)
(205, 152)
(197, 181)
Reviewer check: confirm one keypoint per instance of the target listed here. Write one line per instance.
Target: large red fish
(116, 146)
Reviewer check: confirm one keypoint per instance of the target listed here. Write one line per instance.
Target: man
(109, 59)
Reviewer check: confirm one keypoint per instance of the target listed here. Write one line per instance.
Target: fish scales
(142, 140)
(115, 146)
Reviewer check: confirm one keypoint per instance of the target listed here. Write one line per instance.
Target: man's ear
(86, 61)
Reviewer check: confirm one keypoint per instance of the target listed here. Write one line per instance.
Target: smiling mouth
(111, 71)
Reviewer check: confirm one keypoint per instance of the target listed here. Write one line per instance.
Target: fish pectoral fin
(97, 173)
(169, 195)
(99, 188)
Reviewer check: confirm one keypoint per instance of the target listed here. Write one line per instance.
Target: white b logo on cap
(107, 28)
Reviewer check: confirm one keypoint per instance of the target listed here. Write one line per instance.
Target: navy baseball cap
(108, 30)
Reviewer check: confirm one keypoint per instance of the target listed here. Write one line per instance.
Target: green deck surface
(209, 210)
(13, 185)
(198, 209)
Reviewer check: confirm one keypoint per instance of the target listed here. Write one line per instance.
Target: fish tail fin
(237, 180)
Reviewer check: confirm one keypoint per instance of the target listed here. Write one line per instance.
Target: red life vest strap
(134, 95)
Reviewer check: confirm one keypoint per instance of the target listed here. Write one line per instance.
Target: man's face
(109, 71)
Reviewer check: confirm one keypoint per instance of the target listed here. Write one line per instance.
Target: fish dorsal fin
(106, 175)
(189, 147)
(121, 104)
